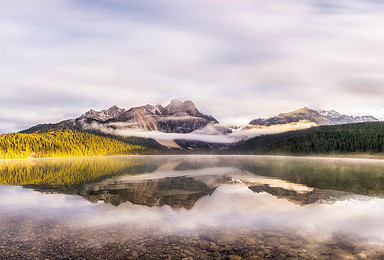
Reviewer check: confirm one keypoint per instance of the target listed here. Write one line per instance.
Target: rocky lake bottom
(48, 240)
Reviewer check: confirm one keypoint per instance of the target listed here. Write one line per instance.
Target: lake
(192, 207)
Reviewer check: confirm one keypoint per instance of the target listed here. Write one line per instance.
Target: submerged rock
(226, 240)
(339, 254)
(348, 244)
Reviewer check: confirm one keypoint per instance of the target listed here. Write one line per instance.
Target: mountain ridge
(310, 116)
(176, 117)
(103, 115)
(184, 117)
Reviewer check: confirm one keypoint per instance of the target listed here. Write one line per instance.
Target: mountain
(309, 117)
(103, 115)
(184, 117)
(176, 117)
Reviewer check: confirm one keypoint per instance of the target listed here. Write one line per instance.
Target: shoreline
(373, 157)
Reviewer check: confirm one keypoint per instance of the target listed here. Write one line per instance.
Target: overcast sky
(237, 60)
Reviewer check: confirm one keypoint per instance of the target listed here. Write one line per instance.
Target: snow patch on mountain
(103, 115)
(329, 113)
(321, 117)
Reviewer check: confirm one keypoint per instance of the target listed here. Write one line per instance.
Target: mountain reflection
(176, 192)
(180, 181)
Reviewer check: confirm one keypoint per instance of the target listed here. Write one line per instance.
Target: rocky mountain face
(176, 117)
(307, 115)
(103, 115)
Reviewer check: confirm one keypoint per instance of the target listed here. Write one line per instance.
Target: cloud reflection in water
(230, 205)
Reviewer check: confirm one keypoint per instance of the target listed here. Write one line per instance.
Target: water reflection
(181, 181)
(251, 206)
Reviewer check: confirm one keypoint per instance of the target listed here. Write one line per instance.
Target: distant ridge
(103, 115)
(310, 117)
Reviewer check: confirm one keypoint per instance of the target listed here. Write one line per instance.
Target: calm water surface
(192, 207)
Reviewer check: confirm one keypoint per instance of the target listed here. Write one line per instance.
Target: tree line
(349, 138)
(66, 143)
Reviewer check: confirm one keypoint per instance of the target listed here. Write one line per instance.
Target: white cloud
(236, 60)
(199, 135)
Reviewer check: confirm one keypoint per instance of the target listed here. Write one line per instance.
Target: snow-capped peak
(103, 115)
(329, 113)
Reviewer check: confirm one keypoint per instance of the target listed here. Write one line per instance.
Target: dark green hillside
(349, 138)
(70, 142)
